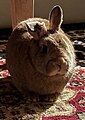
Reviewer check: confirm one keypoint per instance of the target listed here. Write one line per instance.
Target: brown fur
(40, 57)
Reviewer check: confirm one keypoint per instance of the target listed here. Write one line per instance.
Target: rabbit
(40, 57)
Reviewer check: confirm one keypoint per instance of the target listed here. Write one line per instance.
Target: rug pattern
(70, 105)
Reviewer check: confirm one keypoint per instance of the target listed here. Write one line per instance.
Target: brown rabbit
(40, 57)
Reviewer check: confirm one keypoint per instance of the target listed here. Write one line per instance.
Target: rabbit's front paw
(52, 68)
(57, 67)
(63, 65)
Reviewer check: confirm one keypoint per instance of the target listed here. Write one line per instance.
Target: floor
(14, 107)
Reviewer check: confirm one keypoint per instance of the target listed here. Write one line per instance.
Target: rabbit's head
(50, 50)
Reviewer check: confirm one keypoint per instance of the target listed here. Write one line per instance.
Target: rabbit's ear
(55, 18)
(36, 29)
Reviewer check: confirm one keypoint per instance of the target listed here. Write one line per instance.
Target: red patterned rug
(70, 105)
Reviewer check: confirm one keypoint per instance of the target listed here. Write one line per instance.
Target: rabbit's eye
(44, 49)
